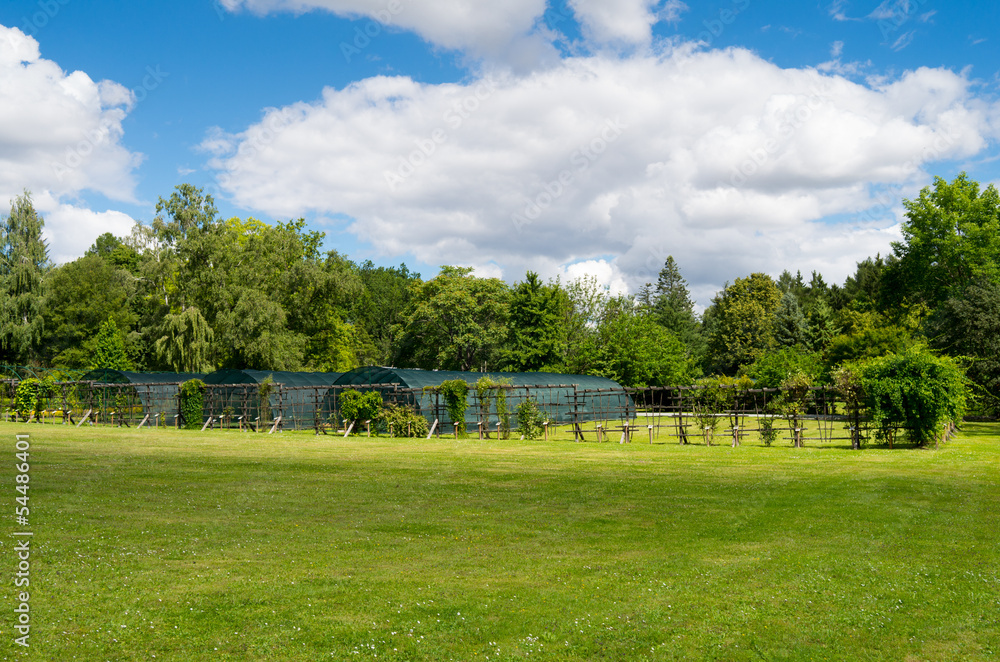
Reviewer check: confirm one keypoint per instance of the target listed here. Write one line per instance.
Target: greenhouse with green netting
(240, 395)
(131, 396)
(493, 397)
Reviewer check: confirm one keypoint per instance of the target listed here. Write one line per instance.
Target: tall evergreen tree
(790, 328)
(672, 302)
(24, 259)
(110, 351)
(673, 308)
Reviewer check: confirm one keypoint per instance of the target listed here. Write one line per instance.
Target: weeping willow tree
(185, 342)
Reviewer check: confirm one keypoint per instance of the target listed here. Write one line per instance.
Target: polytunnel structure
(299, 400)
(131, 396)
(563, 398)
(148, 393)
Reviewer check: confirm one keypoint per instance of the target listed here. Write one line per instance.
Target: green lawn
(229, 546)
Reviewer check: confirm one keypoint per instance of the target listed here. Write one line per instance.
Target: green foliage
(951, 238)
(632, 349)
(264, 390)
(796, 390)
(185, 342)
(492, 394)
(377, 307)
(848, 383)
(768, 433)
(402, 421)
(866, 343)
(968, 325)
(80, 296)
(916, 391)
(24, 259)
(743, 324)
(455, 392)
(456, 321)
(192, 393)
(671, 306)
(771, 369)
(530, 419)
(359, 406)
(31, 396)
(187, 209)
(587, 303)
(790, 326)
(536, 334)
(710, 402)
(110, 351)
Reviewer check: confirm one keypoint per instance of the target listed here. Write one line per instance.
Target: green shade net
(563, 398)
(299, 401)
(155, 392)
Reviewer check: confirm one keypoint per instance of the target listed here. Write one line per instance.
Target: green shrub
(402, 421)
(767, 432)
(916, 391)
(359, 406)
(31, 395)
(530, 419)
(192, 403)
(770, 370)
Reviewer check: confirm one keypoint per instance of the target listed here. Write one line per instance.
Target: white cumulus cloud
(505, 31)
(715, 154)
(60, 135)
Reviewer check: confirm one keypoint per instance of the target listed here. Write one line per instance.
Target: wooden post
(598, 428)
(736, 436)
(480, 426)
(650, 428)
(498, 430)
(708, 435)
(434, 427)
(368, 428)
(454, 429)
(274, 427)
(545, 427)
(625, 434)
(349, 427)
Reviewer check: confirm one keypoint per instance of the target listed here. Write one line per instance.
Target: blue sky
(578, 137)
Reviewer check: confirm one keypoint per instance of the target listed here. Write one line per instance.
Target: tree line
(192, 292)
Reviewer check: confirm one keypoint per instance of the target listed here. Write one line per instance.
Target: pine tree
(24, 259)
(673, 308)
(790, 327)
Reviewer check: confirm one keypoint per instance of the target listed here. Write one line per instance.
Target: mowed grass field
(176, 545)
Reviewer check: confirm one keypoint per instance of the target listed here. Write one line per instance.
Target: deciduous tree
(456, 321)
(743, 324)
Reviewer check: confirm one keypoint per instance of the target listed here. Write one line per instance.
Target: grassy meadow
(179, 545)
